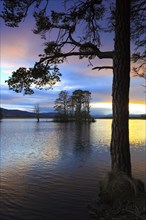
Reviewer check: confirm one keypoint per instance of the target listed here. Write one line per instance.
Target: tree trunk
(38, 118)
(120, 150)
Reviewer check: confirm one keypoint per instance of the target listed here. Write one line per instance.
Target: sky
(19, 47)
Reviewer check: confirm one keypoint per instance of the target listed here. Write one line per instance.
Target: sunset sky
(20, 48)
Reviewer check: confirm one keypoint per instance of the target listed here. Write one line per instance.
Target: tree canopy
(76, 32)
(83, 16)
(73, 107)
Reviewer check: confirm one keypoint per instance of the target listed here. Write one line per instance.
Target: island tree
(81, 100)
(84, 16)
(73, 107)
(61, 105)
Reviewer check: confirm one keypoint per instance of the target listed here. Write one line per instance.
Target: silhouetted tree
(86, 104)
(82, 104)
(37, 112)
(78, 100)
(84, 16)
(41, 76)
(71, 107)
(76, 106)
(61, 104)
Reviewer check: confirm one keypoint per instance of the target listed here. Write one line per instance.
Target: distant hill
(24, 114)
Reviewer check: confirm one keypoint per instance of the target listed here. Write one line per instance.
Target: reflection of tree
(37, 128)
(82, 138)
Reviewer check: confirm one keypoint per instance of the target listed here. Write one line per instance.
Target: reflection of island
(82, 138)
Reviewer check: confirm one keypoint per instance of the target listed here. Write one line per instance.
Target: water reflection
(137, 132)
(53, 169)
(25, 144)
(82, 142)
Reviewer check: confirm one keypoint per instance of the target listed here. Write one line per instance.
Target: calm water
(50, 171)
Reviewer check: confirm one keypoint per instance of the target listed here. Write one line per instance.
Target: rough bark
(120, 150)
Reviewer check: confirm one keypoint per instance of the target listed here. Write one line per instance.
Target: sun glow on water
(137, 133)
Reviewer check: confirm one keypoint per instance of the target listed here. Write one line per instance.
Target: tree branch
(102, 67)
(101, 55)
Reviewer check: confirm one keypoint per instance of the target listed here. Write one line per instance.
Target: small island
(74, 107)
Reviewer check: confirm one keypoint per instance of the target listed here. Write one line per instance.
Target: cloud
(137, 90)
(19, 46)
(11, 100)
